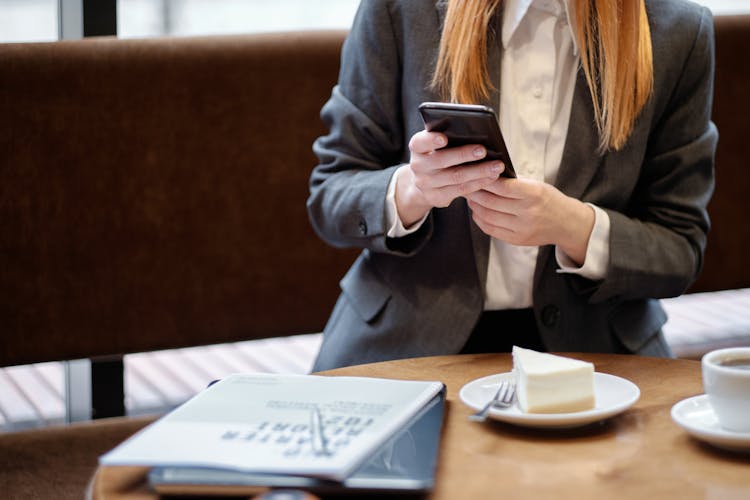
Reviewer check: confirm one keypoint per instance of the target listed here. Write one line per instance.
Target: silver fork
(502, 399)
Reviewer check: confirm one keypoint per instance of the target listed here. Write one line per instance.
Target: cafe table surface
(640, 453)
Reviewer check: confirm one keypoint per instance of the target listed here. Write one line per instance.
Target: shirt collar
(515, 11)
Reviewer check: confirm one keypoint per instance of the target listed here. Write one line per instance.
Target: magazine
(304, 425)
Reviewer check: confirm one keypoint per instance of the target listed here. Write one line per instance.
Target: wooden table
(641, 453)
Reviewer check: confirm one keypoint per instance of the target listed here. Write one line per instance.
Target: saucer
(613, 395)
(696, 416)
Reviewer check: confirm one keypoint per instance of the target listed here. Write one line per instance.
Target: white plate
(697, 417)
(613, 395)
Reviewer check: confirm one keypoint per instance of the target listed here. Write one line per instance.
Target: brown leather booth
(152, 195)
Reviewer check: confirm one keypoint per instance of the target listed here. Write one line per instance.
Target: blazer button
(362, 227)
(550, 316)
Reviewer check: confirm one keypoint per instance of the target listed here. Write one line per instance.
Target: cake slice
(546, 383)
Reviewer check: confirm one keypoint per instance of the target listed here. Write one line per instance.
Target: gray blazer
(422, 294)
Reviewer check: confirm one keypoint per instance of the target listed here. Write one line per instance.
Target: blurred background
(38, 20)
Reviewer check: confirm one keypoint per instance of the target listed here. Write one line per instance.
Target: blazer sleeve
(656, 249)
(365, 142)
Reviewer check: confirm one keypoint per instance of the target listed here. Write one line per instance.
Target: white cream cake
(546, 383)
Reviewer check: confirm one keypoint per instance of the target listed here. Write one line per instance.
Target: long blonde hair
(615, 43)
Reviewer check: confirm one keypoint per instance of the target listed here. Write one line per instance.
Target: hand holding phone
(468, 124)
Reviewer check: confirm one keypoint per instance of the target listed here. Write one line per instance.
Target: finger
(507, 188)
(493, 218)
(462, 174)
(461, 154)
(486, 198)
(490, 229)
(453, 191)
(497, 227)
(425, 142)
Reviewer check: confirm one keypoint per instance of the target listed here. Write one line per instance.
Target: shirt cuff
(597, 252)
(393, 222)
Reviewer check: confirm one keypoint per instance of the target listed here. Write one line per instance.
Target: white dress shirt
(539, 68)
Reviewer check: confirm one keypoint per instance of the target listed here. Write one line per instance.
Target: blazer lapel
(581, 158)
(441, 6)
(481, 243)
(479, 239)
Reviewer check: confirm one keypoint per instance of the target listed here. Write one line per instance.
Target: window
(37, 20)
(142, 18)
(28, 20)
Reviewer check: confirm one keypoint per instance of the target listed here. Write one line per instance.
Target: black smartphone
(468, 124)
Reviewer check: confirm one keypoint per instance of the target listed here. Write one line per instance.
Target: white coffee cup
(726, 380)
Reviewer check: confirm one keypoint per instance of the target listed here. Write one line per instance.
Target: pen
(317, 435)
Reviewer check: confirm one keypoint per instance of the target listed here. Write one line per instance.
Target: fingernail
(440, 141)
(478, 152)
(497, 167)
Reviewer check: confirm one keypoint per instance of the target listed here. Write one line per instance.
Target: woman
(605, 107)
